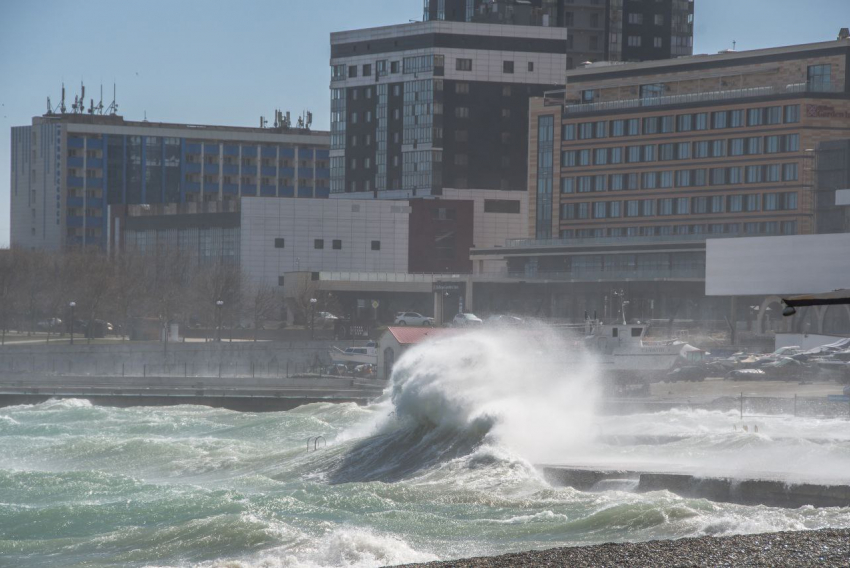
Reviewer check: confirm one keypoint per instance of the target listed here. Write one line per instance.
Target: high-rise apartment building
(716, 145)
(600, 30)
(67, 169)
(444, 102)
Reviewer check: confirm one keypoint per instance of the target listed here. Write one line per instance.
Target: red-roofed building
(397, 340)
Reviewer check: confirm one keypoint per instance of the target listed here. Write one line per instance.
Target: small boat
(358, 355)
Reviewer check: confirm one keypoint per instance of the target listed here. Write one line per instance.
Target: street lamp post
(218, 305)
(312, 317)
(72, 305)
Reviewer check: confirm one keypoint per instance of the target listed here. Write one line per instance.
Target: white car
(412, 318)
(466, 320)
(327, 316)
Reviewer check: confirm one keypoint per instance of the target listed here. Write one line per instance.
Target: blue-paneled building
(67, 170)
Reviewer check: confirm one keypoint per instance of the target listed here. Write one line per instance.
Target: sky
(216, 62)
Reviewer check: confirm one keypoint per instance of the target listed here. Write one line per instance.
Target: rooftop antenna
(309, 121)
(62, 108)
(113, 106)
(734, 44)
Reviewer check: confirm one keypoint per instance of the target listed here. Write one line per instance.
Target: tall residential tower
(443, 103)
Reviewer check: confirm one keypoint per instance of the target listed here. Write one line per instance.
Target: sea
(441, 467)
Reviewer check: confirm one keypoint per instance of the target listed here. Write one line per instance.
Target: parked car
(505, 320)
(327, 316)
(50, 324)
(783, 369)
(412, 318)
(466, 320)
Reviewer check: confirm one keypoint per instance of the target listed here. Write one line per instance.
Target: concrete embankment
(770, 492)
(246, 394)
(174, 359)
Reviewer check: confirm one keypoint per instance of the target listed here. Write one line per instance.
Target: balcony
(287, 191)
(75, 142)
(75, 202)
(74, 181)
(74, 222)
(94, 144)
(249, 151)
(193, 148)
(94, 183)
(323, 192)
(191, 186)
(231, 150)
(230, 188)
(323, 173)
(287, 153)
(75, 162)
(305, 153)
(93, 222)
(269, 152)
(635, 274)
(268, 191)
(192, 168)
(286, 172)
(305, 192)
(268, 171)
(230, 169)
(211, 149)
(95, 163)
(211, 169)
(690, 98)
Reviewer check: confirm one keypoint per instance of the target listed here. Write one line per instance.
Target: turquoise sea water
(434, 471)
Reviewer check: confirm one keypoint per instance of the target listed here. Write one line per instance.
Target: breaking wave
(528, 391)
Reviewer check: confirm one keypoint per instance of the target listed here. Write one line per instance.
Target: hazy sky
(214, 62)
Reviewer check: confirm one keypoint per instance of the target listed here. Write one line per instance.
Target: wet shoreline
(825, 548)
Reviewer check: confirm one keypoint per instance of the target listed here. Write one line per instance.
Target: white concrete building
(281, 236)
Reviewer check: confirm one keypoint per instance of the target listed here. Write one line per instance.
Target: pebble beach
(823, 548)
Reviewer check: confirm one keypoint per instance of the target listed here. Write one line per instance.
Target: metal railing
(694, 238)
(614, 275)
(399, 277)
(700, 97)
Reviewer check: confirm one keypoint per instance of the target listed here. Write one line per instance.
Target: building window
(588, 96)
(507, 67)
(352, 71)
(736, 175)
(634, 41)
(376, 245)
(531, 66)
(463, 64)
(774, 115)
(462, 112)
(367, 70)
(819, 78)
(684, 123)
(755, 117)
(279, 243)
(501, 206)
(319, 244)
(657, 42)
(636, 19)
(789, 172)
(462, 88)
(792, 114)
(650, 125)
(337, 244)
(720, 119)
(659, 20)
(737, 118)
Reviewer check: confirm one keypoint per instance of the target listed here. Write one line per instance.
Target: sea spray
(527, 389)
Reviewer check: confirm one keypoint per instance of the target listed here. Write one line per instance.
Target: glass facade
(545, 157)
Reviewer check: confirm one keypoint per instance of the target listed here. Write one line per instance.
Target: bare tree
(219, 281)
(11, 263)
(129, 287)
(264, 303)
